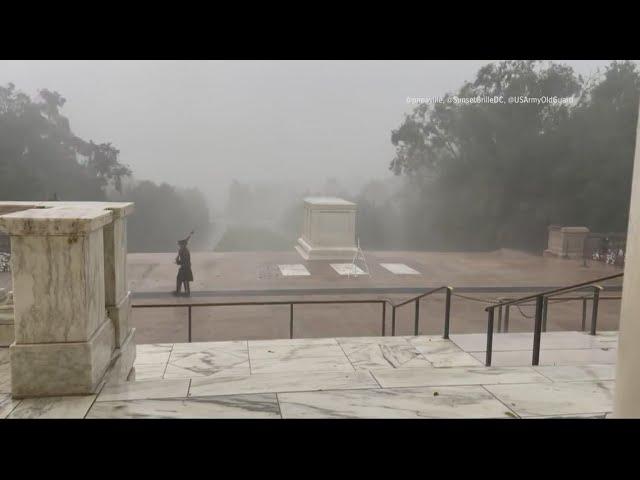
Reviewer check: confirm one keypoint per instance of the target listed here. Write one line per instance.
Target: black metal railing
(541, 300)
(383, 302)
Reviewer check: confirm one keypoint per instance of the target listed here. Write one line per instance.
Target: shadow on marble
(230, 406)
(280, 382)
(556, 398)
(53, 407)
(148, 389)
(431, 376)
(5, 378)
(7, 404)
(426, 402)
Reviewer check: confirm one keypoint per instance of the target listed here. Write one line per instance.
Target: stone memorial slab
(399, 269)
(347, 269)
(294, 270)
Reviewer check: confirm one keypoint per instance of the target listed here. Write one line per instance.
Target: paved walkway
(353, 377)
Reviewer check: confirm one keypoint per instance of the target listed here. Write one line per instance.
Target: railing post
(393, 321)
(506, 318)
(545, 309)
(189, 323)
(417, 317)
(487, 361)
(384, 314)
(537, 330)
(584, 314)
(291, 320)
(594, 311)
(447, 313)
(499, 318)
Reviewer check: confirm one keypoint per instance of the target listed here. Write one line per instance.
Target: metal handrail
(291, 303)
(541, 302)
(548, 293)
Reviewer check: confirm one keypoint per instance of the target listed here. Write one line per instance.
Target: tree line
(42, 159)
(490, 175)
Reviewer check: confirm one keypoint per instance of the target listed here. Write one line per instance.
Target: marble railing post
(64, 341)
(117, 296)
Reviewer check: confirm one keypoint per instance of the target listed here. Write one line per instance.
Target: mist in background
(231, 148)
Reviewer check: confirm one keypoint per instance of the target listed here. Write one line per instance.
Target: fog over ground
(205, 123)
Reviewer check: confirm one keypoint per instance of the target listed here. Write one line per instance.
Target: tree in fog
(40, 156)
(42, 159)
(489, 175)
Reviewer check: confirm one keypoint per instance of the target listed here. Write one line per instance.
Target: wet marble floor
(352, 377)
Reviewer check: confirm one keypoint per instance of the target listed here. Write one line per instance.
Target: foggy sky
(204, 123)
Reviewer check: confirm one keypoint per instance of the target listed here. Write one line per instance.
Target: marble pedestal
(328, 231)
(66, 268)
(6, 325)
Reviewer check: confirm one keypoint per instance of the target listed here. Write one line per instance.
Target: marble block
(119, 315)
(123, 360)
(399, 269)
(328, 231)
(115, 261)
(58, 283)
(49, 369)
(7, 335)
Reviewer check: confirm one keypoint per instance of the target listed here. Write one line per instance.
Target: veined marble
(217, 358)
(477, 342)
(53, 407)
(556, 398)
(280, 382)
(384, 355)
(7, 404)
(228, 406)
(582, 373)
(430, 376)
(300, 357)
(439, 402)
(139, 390)
(154, 371)
(552, 357)
(443, 353)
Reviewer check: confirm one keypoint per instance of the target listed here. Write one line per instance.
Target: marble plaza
(352, 377)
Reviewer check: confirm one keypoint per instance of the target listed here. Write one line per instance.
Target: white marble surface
(552, 357)
(145, 389)
(227, 406)
(383, 355)
(556, 398)
(315, 356)
(281, 382)
(436, 402)
(477, 342)
(581, 373)
(53, 407)
(59, 287)
(428, 376)
(154, 371)
(215, 358)
(399, 269)
(294, 270)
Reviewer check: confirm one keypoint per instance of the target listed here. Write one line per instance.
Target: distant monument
(328, 230)
(566, 242)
